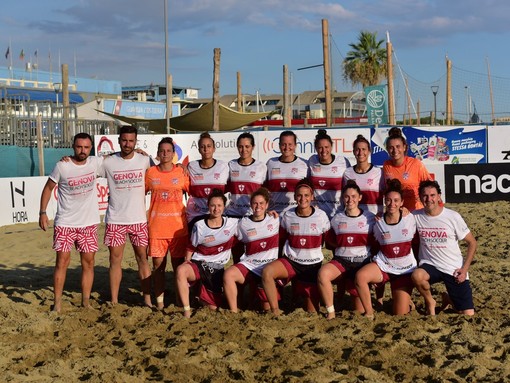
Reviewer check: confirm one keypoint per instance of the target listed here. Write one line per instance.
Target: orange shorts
(159, 247)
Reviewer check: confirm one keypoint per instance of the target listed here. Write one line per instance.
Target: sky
(125, 40)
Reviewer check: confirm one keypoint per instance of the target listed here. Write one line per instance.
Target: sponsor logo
(208, 238)
(488, 183)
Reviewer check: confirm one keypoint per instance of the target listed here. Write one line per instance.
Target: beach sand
(130, 343)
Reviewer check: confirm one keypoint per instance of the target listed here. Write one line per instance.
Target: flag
(7, 52)
(22, 55)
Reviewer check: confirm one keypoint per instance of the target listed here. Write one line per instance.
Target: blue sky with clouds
(124, 40)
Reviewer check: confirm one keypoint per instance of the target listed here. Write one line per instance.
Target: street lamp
(98, 102)
(434, 89)
(58, 87)
(468, 105)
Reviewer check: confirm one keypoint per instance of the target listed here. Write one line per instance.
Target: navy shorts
(460, 293)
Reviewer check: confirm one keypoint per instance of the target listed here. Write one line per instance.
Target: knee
(418, 276)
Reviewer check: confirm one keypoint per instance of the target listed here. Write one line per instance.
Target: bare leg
(59, 277)
(144, 273)
(326, 275)
(87, 277)
(275, 270)
(115, 271)
(159, 280)
(401, 299)
(367, 274)
(421, 280)
(231, 278)
(176, 262)
(184, 275)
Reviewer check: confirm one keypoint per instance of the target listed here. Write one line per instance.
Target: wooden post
(286, 98)
(239, 94)
(418, 119)
(327, 71)
(169, 93)
(449, 104)
(40, 144)
(65, 102)
(389, 77)
(216, 91)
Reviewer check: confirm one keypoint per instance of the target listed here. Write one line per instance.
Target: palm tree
(365, 64)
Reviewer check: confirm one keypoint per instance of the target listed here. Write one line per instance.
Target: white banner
(498, 143)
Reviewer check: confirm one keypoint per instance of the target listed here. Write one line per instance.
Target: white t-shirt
(372, 188)
(439, 239)
(396, 254)
(214, 245)
(327, 182)
(260, 240)
(304, 236)
(126, 184)
(281, 181)
(243, 181)
(77, 203)
(202, 183)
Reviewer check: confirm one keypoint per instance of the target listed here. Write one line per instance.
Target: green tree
(366, 63)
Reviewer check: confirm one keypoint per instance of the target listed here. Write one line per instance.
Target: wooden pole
(239, 93)
(40, 144)
(449, 103)
(286, 98)
(490, 89)
(216, 90)
(408, 102)
(389, 77)
(327, 71)
(65, 102)
(418, 119)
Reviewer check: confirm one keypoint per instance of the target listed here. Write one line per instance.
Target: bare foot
(446, 302)
(57, 307)
(369, 316)
(430, 307)
(330, 316)
(187, 314)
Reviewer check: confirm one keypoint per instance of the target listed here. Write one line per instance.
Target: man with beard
(77, 215)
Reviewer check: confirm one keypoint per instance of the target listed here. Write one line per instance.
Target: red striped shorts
(115, 235)
(84, 239)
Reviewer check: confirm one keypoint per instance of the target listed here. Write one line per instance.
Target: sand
(130, 343)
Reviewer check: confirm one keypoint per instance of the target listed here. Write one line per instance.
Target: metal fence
(56, 132)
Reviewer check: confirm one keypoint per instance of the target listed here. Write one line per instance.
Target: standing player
(205, 175)
(77, 216)
(326, 170)
(440, 257)
(302, 232)
(368, 177)
(258, 233)
(395, 260)
(168, 230)
(126, 213)
(284, 172)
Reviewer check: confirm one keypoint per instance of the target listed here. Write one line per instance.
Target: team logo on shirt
(302, 241)
(322, 183)
(235, 173)
(216, 176)
(164, 195)
(275, 171)
(405, 175)
(207, 191)
(241, 188)
(370, 182)
(175, 181)
(263, 244)
(350, 240)
(220, 249)
(313, 226)
(294, 170)
(270, 227)
(405, 232)
(396, 250)
(283, 185)
(209, 238)
(361, 225)
(253, 174)
(334, 169)
(226, 232)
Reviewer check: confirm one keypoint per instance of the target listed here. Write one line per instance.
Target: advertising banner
(481, 183)
(498, 143)
(437, 145)
(377, 104)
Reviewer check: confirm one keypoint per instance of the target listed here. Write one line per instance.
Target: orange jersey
(167, 215)
(410, 174)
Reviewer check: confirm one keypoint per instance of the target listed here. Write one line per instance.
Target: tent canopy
(199, 120)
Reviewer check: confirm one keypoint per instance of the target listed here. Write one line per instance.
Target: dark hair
(126, 129)
(263, 192)
(304, 182)
(216, 193)
(322, 135)
(288, 133)
(247, 135)
(82, 136)
(394, 185)
(395, 134)
(166, 140)
(428, 184)
(205, 135)
(361, 138)
(351, 184)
